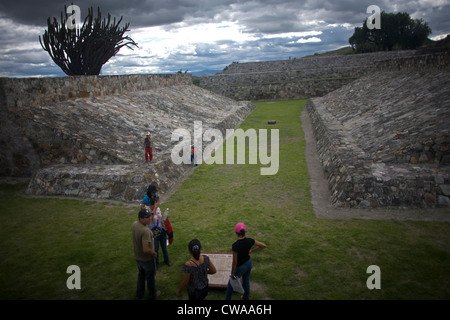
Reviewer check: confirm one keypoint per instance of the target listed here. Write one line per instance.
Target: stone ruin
(295, 78)
(384, 140)
(381, 122)
(84, 136)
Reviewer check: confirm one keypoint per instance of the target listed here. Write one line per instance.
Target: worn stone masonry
(83, 136)
(296, 78)
(384, 139)
(381, 123)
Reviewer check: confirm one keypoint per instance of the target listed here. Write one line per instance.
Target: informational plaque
(222, 262)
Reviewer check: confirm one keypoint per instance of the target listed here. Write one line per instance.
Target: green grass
(305, 258)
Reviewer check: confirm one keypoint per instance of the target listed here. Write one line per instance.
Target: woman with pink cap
(242, 263)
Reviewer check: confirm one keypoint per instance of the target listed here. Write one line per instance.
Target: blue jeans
(147, 272)
(161, 240)
(242, 271)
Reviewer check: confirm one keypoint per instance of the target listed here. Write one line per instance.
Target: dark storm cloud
(266, 16)
(139, 13)
(272, 29)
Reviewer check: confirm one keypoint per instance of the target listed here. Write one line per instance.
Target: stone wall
(312, 65)
(421, 61)
(118, 182)
(83, 136)
(295, 78)
(298, 89)
(34, 132)
(30, 92)
(384, 139)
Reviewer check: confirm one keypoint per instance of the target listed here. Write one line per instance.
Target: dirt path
(321, 195)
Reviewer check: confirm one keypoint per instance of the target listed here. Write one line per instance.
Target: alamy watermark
(74, 19)
(73, 281)
(235, 140)
(373, 281)
(374, 20)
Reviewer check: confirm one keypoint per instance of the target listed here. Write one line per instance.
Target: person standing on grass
(195, 273)
(148, 148)
(242, 263)
(144, 255)
(152, 192)
(159, 234)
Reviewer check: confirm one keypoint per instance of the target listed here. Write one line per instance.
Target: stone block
(445, 188)
(443, 201)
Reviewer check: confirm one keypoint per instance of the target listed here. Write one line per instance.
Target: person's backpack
(156, 230)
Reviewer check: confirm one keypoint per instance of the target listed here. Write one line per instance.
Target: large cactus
(84, 50)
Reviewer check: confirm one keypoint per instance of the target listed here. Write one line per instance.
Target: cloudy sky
(198, 35)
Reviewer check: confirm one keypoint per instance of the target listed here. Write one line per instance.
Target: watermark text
(374, 281)
(74, 19)
(74, 281)
(374, 20)
(235, 143)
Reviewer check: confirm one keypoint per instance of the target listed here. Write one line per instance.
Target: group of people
(149, 232)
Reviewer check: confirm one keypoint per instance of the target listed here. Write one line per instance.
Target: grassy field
(305, 258)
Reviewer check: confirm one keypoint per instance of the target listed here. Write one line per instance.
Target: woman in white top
(159, 233)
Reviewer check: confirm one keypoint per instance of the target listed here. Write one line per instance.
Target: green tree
(398, 32)
(84, 50)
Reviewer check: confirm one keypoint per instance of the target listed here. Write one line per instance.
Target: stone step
(118, 182)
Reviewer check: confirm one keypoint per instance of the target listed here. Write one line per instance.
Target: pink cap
(239, 226)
